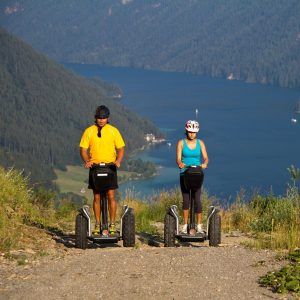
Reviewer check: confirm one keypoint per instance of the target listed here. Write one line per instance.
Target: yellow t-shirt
(102, 149)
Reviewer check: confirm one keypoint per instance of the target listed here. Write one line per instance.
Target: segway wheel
(214, 230)
(128, 229)
(81, 228)
(169, 231)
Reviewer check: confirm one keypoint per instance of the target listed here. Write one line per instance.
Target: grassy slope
(273, 221)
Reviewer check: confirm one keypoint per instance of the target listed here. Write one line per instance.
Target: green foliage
(21, 207)
(287, 279)
(271, 212)
(109, 90)
(273, 220)
(66, 210)
(44, 199)
(15, 206)
(46, 109)
(254, 41)
(148, 213)
(145, 169)
(294, 173)
(294, 256)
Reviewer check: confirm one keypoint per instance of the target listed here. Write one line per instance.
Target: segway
(83, 232)
(193, 179)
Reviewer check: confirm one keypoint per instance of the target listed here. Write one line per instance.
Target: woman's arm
(204, 165)
(178, 155)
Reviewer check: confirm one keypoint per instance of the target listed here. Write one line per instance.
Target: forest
(252, 41)
(45, 108)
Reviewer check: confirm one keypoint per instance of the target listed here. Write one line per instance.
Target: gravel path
(113, 272)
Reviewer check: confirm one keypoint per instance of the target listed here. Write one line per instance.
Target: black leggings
(186, 197)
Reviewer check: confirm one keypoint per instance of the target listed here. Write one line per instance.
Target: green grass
(273, 221)
(287, 279)
(148, 213)
(21, 207)
(73, 180)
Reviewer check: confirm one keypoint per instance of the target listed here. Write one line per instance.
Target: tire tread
(214, 231)
(169, 230)
(128, 229)
(81, 232)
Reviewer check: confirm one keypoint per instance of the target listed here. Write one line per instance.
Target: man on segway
(102, 143)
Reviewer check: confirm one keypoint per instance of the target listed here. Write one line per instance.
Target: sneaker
(199, 228)
(112, 229)
(96, 230)
(184, 228)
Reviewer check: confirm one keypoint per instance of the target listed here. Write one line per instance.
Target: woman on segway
(191, 152)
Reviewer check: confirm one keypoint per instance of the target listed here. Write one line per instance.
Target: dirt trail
(145, 272)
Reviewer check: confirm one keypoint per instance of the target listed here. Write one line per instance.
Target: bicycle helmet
(102, 112)
(192, 126)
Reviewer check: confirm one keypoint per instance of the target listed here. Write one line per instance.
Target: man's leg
(112, 205)
(96, 206)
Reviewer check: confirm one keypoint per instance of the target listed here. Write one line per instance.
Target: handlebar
(103, 165)
(193, 166)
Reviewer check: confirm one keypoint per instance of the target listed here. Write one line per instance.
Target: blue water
(247, 128)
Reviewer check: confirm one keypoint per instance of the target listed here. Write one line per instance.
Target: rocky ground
(188, 271)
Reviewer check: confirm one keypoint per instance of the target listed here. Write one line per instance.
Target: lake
(246, 127)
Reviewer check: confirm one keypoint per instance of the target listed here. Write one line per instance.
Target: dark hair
(187, 133)
(102, 112)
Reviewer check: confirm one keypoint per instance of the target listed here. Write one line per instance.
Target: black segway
(83, 231)
(193, 179)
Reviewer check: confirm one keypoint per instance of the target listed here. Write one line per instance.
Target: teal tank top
(191, 157)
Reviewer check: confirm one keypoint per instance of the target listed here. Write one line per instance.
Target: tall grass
(21, 206)
(15, 207)
(273, 221)
(148, 213)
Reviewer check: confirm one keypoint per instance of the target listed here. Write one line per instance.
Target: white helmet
(192, 126)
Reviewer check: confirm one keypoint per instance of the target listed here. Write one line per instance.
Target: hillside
(254, 41)
(44, 110)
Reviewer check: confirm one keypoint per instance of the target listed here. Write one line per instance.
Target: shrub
(15, 206)
(21, 207)
(287, 279)
(153, 210)
(274, 221)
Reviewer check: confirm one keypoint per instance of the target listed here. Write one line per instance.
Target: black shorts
(186, 197)
(105, 183)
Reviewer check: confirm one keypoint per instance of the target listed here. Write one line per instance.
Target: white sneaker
(184, 228)
(199, 228)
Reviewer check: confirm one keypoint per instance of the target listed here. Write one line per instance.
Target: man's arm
(85, 157)
(120, 155)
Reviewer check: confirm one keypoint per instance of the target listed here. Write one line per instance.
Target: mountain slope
(44, 110)
(255, 41)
